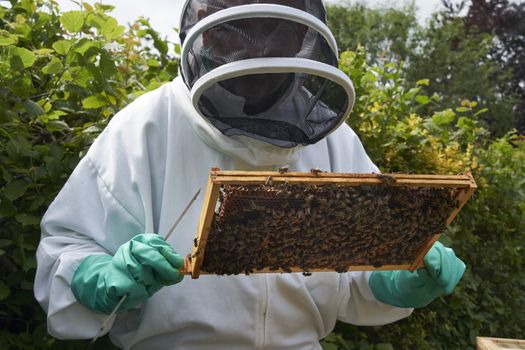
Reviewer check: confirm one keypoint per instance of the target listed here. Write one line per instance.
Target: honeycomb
(282, 226)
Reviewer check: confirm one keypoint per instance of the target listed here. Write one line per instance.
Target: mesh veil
(282, 108)
(193, 10)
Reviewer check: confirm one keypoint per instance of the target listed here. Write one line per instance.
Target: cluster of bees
(280, 226)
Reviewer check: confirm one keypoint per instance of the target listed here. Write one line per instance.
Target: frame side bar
(205, 221)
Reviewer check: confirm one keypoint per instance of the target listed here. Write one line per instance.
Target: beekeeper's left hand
(403, 288)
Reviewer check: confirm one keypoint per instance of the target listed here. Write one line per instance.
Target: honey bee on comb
(316, 171)
(283, 169)
(387, 179)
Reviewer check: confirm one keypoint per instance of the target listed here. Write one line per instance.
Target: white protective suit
(137, 178)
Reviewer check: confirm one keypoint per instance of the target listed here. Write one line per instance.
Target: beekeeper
(259, 88)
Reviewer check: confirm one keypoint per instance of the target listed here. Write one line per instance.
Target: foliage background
(433, 99)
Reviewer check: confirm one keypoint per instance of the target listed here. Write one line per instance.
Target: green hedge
(489, 233)
(64, 75)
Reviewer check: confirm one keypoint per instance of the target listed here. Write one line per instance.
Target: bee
(307, 274)
(316, 171)
(195, 242)
(286, 269)
(387, 179)
(283, 169)
(197, 252)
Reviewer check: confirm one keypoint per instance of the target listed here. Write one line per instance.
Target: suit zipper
(260, 340)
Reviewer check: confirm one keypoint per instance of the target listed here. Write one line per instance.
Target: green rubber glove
(138, 269)
(403, 288)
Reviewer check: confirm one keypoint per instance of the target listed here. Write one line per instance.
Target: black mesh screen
(196, 10)
(253, 38)
(302, 116)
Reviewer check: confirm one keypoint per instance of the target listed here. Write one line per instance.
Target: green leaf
(4, 291)
(27, 219)
(444, 117)
(107, 65)
(111, 29)
(96, 20)
(16, 189)
(46, 105)
(62, 47)
(44, 52)
(104, 8)
(33, 108)
(369, 77)
(94, 102)
(72, 21)
(7, 39)
(422, 99)
(22, 29)
(88, 7)
(155, 63)
(7, 209)
(21, 297)
(53, 67)
(141, 33)
(466, 123)
(154, 85)
(81, 77)
(21, 58)
(57, 125)
(481, 111)
(424, 82)
(411, 93)
(5, 243)
(84, 45)
(55, 115)
(28, 5)
(462, 109)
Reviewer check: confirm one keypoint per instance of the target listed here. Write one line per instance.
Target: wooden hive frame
(485, 343)
(464, 186)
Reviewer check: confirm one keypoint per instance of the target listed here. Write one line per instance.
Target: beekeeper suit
(259, 89)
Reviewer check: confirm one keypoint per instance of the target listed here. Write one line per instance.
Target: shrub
(489, 232)
(62, 77)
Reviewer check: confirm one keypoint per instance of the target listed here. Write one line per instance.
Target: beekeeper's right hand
(138, 269)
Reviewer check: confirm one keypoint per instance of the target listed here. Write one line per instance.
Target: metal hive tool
(304, 222)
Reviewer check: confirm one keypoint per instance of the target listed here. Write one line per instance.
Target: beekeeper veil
(266, 69)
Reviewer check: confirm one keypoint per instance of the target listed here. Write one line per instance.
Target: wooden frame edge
(205, 221)
(489, 343)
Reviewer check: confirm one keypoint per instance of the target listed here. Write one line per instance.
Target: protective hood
(266, 70)
(247, 152)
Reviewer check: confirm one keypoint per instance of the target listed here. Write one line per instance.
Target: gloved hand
(138, 269)
(403, 288)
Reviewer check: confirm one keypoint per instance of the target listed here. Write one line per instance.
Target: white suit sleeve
(107, 200)
(73, 228)
(362, 308)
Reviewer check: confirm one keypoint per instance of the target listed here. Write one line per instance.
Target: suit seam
(108, 190)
